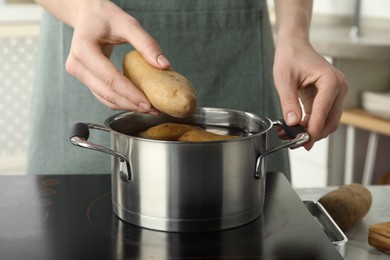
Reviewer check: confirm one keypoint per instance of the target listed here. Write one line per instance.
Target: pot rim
(200, 113)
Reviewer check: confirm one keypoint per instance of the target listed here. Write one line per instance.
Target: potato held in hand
(347, 205)
(167, 90)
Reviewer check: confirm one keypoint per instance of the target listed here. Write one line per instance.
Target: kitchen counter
(373, 44)
(330, 35)
(357, 246)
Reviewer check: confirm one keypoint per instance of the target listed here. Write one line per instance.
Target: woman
(225, 47)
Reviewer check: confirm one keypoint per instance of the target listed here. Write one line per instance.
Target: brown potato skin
(181, 132)
(347, 205)
(200, 135)
(167, 90)
(166, 131)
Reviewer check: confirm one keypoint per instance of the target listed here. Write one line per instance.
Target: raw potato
(379, 236)
(167, 90)
(199, 135)
(181, 132)
(166, 131)
(347, 205)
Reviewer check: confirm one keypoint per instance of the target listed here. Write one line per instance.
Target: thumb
(292, 111)
(153, 54)
(146, 45)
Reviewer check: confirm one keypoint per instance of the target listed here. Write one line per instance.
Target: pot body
(185, 187)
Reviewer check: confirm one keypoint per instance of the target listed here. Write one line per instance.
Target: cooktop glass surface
(70, 217)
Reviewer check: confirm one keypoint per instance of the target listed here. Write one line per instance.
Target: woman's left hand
(304, 77)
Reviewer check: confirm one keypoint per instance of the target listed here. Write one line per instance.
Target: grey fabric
(224, 47)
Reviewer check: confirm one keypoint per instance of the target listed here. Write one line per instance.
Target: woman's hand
(98, 26)
(302, 75)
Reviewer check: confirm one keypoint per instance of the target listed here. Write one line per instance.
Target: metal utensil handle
(328, 225)
(297, 133)
(79, 135)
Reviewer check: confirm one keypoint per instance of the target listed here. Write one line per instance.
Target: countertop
(330, 35)
(373, 44)
(357, 246)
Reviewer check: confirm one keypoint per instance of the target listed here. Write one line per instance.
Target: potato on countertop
(167, 90)
(347, 205)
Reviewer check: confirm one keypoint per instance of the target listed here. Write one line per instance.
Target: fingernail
(308, 147)
(163, 61)
(144, 107)
(292, 118)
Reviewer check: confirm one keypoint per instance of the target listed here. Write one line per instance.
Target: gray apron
(224, 47)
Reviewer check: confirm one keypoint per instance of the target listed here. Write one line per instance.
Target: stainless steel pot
(185, 187)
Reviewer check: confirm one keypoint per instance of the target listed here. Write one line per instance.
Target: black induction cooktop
(70, 217)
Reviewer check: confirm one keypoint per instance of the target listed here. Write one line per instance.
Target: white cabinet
(310, 168)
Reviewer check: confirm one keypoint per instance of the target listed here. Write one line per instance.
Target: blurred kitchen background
(354, 35)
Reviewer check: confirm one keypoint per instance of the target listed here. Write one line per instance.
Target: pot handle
(79, 135)
(297, 133)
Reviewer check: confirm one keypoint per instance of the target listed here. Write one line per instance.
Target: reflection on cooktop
(100, 215)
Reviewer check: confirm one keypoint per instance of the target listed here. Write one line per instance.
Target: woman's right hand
(98, 26)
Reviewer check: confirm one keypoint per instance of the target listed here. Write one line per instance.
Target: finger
(292, 112)
(110, 78)
(144, 43)
(113, 106)
(105, 102)
(307, 96)
(333, 120)
(322, 105)
(99, 88)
